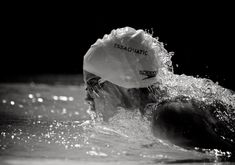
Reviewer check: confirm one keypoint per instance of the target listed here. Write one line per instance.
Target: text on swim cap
(148, 74)
(130, 49)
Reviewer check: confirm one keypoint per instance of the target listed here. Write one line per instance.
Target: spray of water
(132, 125)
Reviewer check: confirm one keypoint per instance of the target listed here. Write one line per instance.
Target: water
(52, 124)
(49, 122)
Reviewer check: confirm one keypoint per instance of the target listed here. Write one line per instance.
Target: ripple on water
(52, 128)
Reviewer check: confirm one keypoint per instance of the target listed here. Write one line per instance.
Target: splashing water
(53, 124)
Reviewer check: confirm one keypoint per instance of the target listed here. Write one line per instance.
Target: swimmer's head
(126, 57)
(120, 68)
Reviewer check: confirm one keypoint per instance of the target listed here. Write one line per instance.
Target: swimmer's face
(108, 97)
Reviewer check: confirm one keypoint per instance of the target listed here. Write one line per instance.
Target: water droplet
(3, 134)
(71, 98)
(63, 98)
(47, 135)
(77, 145)
(102, 154)
(40, 100)
(91, 153)
(21, 106)
(64, 111)
(12, 103)
(30, 96)
(55, 97)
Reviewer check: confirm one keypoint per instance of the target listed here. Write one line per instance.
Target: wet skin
(186, 123)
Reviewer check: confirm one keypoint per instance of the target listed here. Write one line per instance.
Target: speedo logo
(130, 49)
(148, 74)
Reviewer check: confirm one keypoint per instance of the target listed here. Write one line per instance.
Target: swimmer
(121, 70)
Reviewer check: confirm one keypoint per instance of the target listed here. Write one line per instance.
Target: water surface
(51, 124)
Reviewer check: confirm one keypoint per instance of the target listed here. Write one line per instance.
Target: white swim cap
(125, 57)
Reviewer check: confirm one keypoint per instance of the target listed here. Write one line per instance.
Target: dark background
(39, 39)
